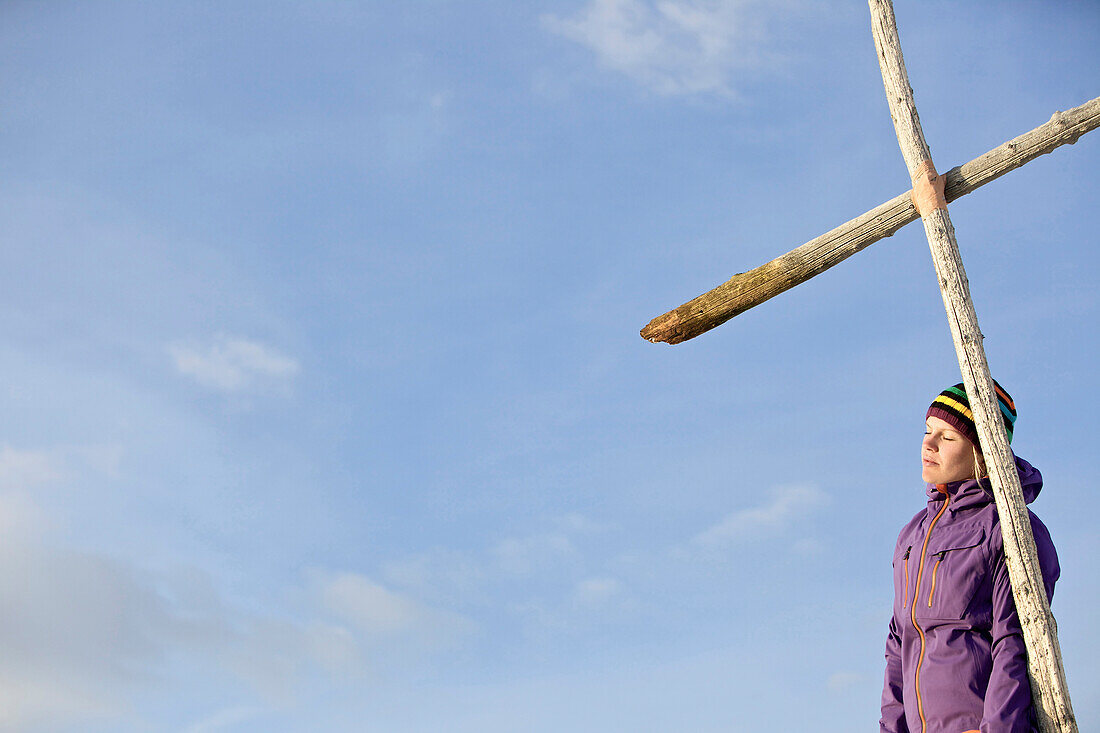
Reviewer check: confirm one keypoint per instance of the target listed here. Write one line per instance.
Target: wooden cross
(928, 201)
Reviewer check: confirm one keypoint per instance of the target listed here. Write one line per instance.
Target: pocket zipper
(905, 599)
(935, 567)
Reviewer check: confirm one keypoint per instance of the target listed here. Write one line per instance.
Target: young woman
(955, 656)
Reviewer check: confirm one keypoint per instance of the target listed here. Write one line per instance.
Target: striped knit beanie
(952, 407)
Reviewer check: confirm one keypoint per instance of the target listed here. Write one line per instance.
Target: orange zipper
(913, 611)
(934, 569)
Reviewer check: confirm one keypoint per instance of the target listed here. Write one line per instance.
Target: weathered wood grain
(748, 289)
(1048, 683)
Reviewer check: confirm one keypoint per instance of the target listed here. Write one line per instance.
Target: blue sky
(324, 402)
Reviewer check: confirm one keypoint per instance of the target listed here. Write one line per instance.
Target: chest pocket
(956, 567)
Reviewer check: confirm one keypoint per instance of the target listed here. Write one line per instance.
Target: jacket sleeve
(1008, 697)
(893, 710)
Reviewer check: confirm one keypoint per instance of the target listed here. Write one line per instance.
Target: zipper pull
(935, 569)
(905, 560)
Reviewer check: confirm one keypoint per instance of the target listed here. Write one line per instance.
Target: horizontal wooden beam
(747, 289)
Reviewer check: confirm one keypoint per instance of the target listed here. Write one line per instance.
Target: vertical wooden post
(1048, 682)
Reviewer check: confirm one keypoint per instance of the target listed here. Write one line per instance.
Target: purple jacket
(955, 656)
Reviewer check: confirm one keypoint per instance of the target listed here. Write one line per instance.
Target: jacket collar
(971, 493)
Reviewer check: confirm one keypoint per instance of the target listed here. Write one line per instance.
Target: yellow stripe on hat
(956, 406)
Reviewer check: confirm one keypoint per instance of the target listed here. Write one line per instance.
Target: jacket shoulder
(1044, 548)
(910, 527)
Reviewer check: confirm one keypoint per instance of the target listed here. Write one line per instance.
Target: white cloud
(76, 629)
(369, 606)
(808, 546)
(381, 614)
(232, 364)
(840, 681)
(334, 647)
(86, 636)
(223, 719)
(438, 574)
(671, 46)
(28, 699)
(580, 524)
(19, 517)
(784, 505)
(596, 592)
(522, 556)
(25, 469)
(25, 474)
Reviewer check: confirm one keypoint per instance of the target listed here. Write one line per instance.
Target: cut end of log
(664, 329)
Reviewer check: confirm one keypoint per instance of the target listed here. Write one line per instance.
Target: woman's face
(946, 454)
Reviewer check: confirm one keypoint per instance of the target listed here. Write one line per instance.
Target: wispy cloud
(27, 475)
(76, 629)
(841, 681)
(596, 592)
(671, 46)
(522, 556)
(378, 612)
(438, 574)
(224, 719)
(85, 635)
(580, 524)
(231, 364)
(784, 505)
(24, 469)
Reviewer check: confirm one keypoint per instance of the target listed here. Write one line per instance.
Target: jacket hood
(970, 493)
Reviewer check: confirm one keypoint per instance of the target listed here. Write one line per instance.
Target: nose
(929, 443)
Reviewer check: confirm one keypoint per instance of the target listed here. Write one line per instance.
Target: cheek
(960, 458)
